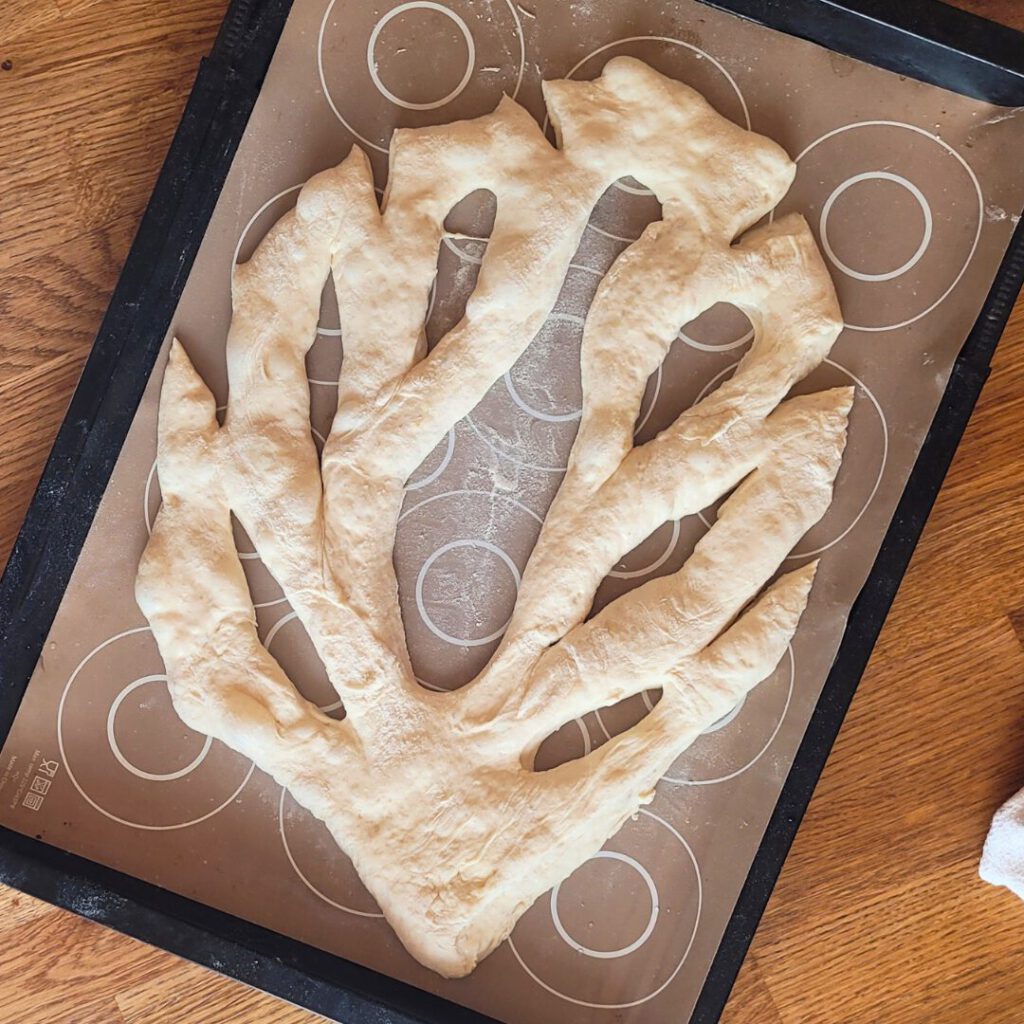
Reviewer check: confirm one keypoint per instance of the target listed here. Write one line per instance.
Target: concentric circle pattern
(572, 741)
(729, 747)
(737, 742)
(459, 556)
(629, 947)
(530, 416)
(899, 234)
(461, 72)
(648, 871)
(128, 754)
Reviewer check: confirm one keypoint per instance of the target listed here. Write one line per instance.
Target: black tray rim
(924, 39)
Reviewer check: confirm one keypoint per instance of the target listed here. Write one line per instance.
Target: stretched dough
(433, 795)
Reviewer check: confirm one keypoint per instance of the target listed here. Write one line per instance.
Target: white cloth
(1002, 860)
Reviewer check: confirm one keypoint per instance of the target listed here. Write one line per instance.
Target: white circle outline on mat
(881, 469)
(256, 216)
(632, 190)
(700, 346)
(448, 241)
(587, 270)
(330, 99)
(981, 211)
(272, 633)
(71, 775)
(686, 952)
(725, 720)
(327, 332)
(632, 574)
(483, 494)
(610, 954)
(642, 422)
(453, 545)
(764, 750)
(420, 5)
(897, 179)
(115, 748)
(510, 387)
(610, 234)
(434, 474)
(588, 743)
(305, 881)
(522, 463)
(657, 375)
(508, 455)
(145, 498)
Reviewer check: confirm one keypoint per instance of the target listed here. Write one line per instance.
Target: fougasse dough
(433, 796)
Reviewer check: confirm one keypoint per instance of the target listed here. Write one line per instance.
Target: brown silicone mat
(906, 186)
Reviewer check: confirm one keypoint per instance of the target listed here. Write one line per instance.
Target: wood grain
(879, 915)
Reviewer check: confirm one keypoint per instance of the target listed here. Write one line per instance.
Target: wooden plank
(93, 99)
(58, 968)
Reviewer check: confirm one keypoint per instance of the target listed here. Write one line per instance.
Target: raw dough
(432, 794)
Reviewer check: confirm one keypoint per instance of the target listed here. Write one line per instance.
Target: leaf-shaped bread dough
(433, 795)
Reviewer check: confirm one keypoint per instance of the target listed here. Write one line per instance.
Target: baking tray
(923, 40)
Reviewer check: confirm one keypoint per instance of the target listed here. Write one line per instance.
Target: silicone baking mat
(911, 191)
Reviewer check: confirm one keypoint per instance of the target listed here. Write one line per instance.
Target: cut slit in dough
(432, 795)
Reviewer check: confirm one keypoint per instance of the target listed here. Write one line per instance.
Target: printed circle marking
(611, 954)
(518, 26)
(434, 474)
(115, 748)
(547, 417)
(632, 574)
(764, 749)
(302, 878)
(421, 5)
(70, 771)
(484, 545)
(675, 971)
(905, 183)
(980, 212)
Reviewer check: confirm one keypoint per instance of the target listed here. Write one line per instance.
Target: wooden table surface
(879, 916)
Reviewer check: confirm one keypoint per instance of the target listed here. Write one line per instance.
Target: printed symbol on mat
(33, 801)
(40, 785)
(48, 768)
